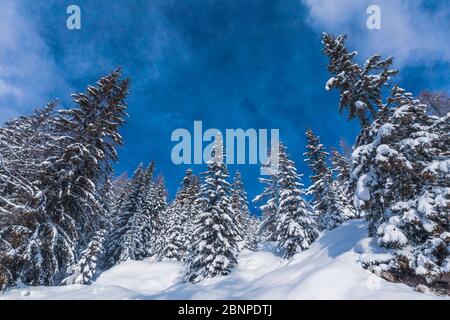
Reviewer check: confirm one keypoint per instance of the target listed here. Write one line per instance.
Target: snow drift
(330, 269)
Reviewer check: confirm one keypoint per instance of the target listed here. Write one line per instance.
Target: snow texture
(330, 269)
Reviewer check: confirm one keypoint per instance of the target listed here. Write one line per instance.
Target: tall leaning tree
(63, 171)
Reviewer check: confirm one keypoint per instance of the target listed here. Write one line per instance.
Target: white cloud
(409, 32)
(30, 76)
(27, 70)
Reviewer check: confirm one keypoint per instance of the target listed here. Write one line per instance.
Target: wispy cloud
(41, 60)
(413, 31)
(28, 73)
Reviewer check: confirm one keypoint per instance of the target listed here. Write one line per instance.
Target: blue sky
(232, 64)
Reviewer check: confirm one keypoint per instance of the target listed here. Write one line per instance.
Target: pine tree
(136, 224)
(126, 240)
(149, 174)
(214, 249)
(149, 218)
(119, 199)
(248, 225)
(91, 261)
(191, 209)
(177, 236)
(360, 87)
(28, 237)
(172, 246)
(133, 246)
(252, 236)
(402, 183)
(342, 168)
(400, 179)
(55, 171)
(316, 158)
(239, 204)
(269, 199)
(295, 228)
(119, 184)
(90, 132)
(327, 198)
(159, 208)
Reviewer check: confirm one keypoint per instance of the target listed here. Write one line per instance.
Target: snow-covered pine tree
(161, 195)
(118, 184)
(90, 134)
(400, 176)
(295, 228)
(269, 201)
(191, 209)
(116, 199)
(61, 164)
(120, 194)
(29, 240)
(176, 236)
(248, 224)
(136, 222)
(402, 179)
(239, 205)
(252, 236)
(21, 157)
(326, 198)
(92, 261)
(149, 174)
(316, 159)
(360, 87)
(342, 168)
(149, 218)
(171, 245)
(126, 240)
(159, 208)
(214, 248)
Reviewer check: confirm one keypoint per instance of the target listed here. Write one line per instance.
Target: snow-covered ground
(328, 270)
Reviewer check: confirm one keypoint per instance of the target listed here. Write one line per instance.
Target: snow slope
(328, 270)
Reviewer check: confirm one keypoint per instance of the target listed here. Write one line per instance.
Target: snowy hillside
(328, 270)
